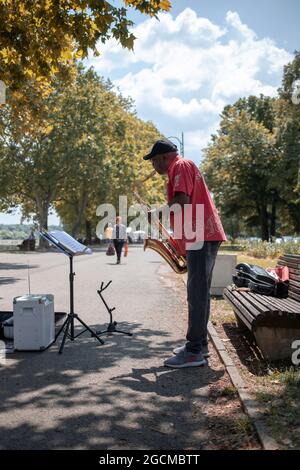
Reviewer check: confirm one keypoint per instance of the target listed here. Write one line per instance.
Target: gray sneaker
(205, 351)
(185, 359)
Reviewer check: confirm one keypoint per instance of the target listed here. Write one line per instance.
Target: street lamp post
(181, 143)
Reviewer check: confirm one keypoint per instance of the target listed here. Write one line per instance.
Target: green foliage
(17, 231)
(237, 166)
(271, 250)
(288, 136)
(87, 150)
(263, 249)
(252, 164)
(41, 39)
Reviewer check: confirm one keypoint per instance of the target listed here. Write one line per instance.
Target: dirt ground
(276, 385)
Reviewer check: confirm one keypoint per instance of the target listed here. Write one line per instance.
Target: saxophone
(167, 248)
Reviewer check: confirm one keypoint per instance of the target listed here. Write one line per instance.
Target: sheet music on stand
(65, 243)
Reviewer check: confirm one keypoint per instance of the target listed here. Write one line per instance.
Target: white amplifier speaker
(34, 322)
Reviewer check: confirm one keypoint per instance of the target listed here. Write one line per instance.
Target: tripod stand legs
(111, 328)
(69, 324)
(93, 333)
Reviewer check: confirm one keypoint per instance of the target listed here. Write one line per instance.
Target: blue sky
(196, 59)
(199, 57)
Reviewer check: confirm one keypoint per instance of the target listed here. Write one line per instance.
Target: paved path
(119, 395)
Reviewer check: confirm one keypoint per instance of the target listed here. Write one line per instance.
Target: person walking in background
(119, 237)
(108, 233)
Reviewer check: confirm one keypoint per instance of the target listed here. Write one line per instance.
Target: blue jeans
(200, 265)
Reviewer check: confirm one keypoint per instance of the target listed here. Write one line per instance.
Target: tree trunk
(264, 223)
(42, 213)
(81, 206)
(88, 232)
(273, 216)
(294, 210)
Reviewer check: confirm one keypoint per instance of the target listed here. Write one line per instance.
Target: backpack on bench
(259, 280)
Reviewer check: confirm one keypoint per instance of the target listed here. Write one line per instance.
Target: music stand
(69, 247)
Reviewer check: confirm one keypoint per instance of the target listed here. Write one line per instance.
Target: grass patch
(244, 258)
(229, 392)
(242, 425)
(221, 312)
(264, 263)
(281, 398)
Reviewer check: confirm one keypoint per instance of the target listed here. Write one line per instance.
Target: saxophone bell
(164, 249)
(167, 248)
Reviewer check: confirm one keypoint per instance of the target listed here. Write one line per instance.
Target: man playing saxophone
(198, 239)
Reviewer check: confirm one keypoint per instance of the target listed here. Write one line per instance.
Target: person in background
(108, 233)
(119, 238)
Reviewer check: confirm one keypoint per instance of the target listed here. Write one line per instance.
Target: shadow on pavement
(15, 266)
(8, 280)
(142, 408)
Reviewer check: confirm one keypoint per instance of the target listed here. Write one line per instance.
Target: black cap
(161, 146)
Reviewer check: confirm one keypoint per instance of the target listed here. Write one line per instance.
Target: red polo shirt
(200, 221)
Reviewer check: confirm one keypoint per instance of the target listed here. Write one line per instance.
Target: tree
(237, 165)
(39, 39)
(87, 150)
(105, 143)
(279, 181)
(33, 167)
(288, 138)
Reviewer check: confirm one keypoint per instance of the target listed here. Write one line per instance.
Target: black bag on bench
(259, 281)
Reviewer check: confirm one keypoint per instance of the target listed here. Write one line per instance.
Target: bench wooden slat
(262, 302)
(293, 303)
(244, 299)
(290, 265)
(290, 258)
(294, 308)
(239, 309)
(239, 313)
(287, 257)
(295, 277)
(283, 306)
(274, 306)
(294, 296)
(294, 286)
(236, 300)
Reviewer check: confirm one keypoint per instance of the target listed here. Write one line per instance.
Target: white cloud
(196, 140)
(185, 69)
(233, 19)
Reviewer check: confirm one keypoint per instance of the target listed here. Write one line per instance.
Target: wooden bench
(275, 323)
